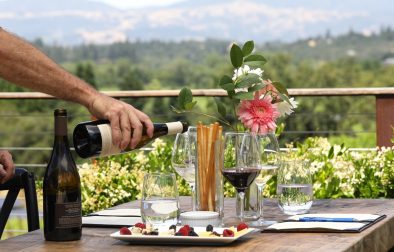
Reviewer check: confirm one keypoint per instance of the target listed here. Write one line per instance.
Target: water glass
(160, 200)
(294, 188)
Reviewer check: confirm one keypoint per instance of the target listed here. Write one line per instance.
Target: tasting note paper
(113, 218)
(355, 217)
(359, 223)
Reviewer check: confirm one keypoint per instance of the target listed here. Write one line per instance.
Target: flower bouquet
(256, 102)
(253, 104)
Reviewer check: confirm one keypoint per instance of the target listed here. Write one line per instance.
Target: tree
(85, 72)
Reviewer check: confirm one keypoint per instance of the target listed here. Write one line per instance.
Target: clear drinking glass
(241, 163)
(160, 200)
(294, 188)
(183, 159)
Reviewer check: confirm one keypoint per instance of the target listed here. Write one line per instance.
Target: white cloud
(134, 4)
(103, 37)
(227, 19)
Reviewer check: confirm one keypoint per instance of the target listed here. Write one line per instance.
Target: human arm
(7, 167)
(24, 65)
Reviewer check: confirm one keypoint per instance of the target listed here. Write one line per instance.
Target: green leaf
(284, 98)
(248, 48)
(236, 56)
(225, 79)
(231, 93)
(256, 87)
(185, 96)
(331, 152)
(244, 95)
(257, 59)
(190, 105)
(221, 107)
(247, 80)
(226, 83)
(280, 87)
(228, 86)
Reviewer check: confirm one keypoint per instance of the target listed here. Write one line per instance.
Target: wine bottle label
(174, 127)
(107, 148)
(68, 215)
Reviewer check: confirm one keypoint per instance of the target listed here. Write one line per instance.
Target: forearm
(24, 65)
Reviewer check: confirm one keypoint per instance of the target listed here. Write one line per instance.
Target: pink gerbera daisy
(258, 115)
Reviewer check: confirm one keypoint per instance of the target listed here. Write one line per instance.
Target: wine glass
(269, 164)
(183, 158)
(241, 163)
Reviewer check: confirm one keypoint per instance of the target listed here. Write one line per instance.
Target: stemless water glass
(294, 188)
(160, 200)
(183, 158)
(241, 163)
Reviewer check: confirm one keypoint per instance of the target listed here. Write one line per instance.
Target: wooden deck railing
(384, 98)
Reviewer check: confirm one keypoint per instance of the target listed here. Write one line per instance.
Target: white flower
(285, 108)
(245, 70)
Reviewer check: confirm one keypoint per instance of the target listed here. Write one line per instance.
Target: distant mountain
(83, 21)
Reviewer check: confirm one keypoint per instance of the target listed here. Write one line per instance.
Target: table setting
(243, 153)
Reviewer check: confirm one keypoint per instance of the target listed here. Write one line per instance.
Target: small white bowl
(200, 218)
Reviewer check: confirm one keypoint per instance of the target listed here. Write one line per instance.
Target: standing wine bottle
(94, 138)
(62, 189)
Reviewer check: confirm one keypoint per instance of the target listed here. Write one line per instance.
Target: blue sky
(81, 21)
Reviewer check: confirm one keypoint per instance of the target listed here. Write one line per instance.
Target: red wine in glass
(241, 178)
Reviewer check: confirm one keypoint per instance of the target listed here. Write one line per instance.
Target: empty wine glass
(183, 158)
(269, 164)
(241, 163)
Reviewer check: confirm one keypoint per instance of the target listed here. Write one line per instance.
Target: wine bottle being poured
(94, 138)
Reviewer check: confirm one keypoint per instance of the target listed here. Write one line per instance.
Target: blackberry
(209, 228)
(216, 233)
(192, 233)
(153, 233)
(172, 227)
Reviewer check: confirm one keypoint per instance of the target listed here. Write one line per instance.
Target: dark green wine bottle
(94, 138)
(62, 188)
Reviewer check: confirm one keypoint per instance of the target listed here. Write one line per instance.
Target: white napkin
(131, 212)
(110, 221)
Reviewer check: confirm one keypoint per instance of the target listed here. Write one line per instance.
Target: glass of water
(160, 200)
(294, 188)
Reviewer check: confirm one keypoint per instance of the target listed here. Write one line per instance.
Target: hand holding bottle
(126, 121)
(7, 167)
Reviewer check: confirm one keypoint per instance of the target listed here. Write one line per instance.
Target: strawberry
(241, 226)
(184, 231)
(187, 227)
(140, 225)
(228, 233)
(125, 231)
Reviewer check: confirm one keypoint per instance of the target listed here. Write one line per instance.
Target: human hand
(123, 118)
(7, 167)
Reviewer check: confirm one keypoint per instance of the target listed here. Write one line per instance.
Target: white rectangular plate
(190, 240)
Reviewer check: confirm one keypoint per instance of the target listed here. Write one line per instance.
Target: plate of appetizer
(201, 236)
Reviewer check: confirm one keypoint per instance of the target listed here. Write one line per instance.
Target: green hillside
(351, 60)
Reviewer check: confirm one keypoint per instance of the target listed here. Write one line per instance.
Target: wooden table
(379, 237)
